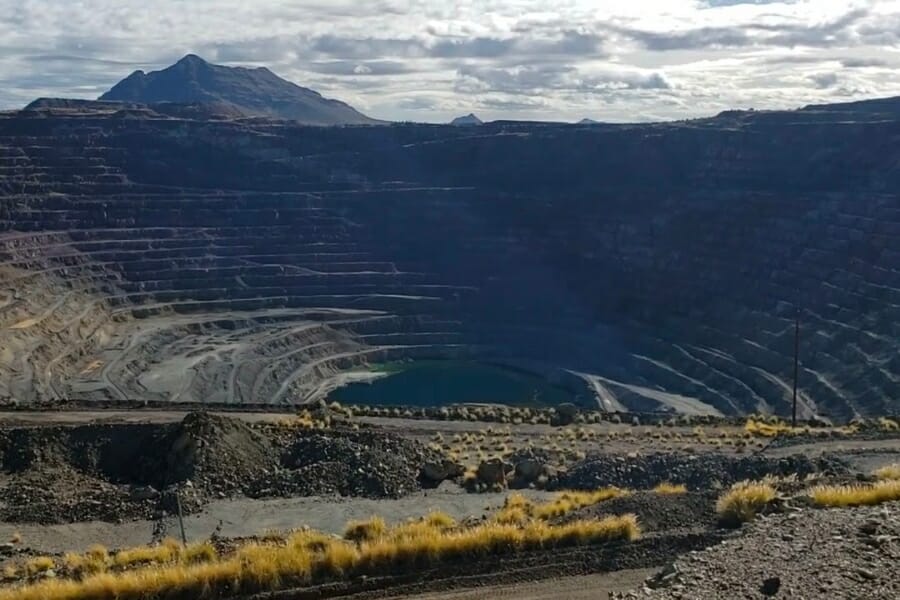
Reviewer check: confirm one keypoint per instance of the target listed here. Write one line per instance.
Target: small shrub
(16, 538)
(670, 489)
(743, 502)
(856, 495)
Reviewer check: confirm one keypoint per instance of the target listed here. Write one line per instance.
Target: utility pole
(180, 516)
(796, 367)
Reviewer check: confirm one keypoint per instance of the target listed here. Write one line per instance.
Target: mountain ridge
(251, 91)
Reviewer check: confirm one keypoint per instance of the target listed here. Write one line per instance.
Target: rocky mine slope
(160, 255)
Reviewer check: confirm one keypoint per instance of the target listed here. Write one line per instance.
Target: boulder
(770, 586)
(529, 469)
(493, 472)
(438, 471)
(141, 493)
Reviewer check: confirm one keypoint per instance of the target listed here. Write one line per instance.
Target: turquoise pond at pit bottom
(441, 383)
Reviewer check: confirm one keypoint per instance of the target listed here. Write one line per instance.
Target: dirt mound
(657, 512)
(99, 472)
(61, 474)
(349, 463)
(62, 494)
(216, 454)
(697, 472)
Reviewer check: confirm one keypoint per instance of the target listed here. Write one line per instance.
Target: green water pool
(440, 383)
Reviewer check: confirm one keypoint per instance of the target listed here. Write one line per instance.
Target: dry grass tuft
(310, 556)
(39, 564)
(743, 502)
(95, 560)
(769, 429)
(856, 495)
(16, 538)
(890, 472)
(567, 502)
(518, 509)
(363, 531)
(439, 520)
(670, 489)
(169, 551)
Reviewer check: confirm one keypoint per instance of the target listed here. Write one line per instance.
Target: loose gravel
(808, 554)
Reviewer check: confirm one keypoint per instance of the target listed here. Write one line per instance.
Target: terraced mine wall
(148, 257)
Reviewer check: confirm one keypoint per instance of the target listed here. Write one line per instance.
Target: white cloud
(431, 60)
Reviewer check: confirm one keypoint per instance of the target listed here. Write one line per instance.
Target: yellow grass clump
(361, 531)
(169, 551)
(890, 472)
(743, 502)
(856, 495)
(518, 509)
(670, 489)
(567, 502)
(269, 567)
(39, 564)
(439, 520)
(95, 560)
(770, 429)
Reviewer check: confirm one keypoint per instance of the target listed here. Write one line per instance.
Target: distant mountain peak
(251, 91)
(468, 120)
(587, 121)
(188, 59)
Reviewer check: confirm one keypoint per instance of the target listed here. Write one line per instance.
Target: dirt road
(593, 587)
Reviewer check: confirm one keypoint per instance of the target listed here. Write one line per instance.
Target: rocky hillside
(152, 255)
(253, 92)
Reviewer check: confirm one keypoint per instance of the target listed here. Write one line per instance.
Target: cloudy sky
(430, 60)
